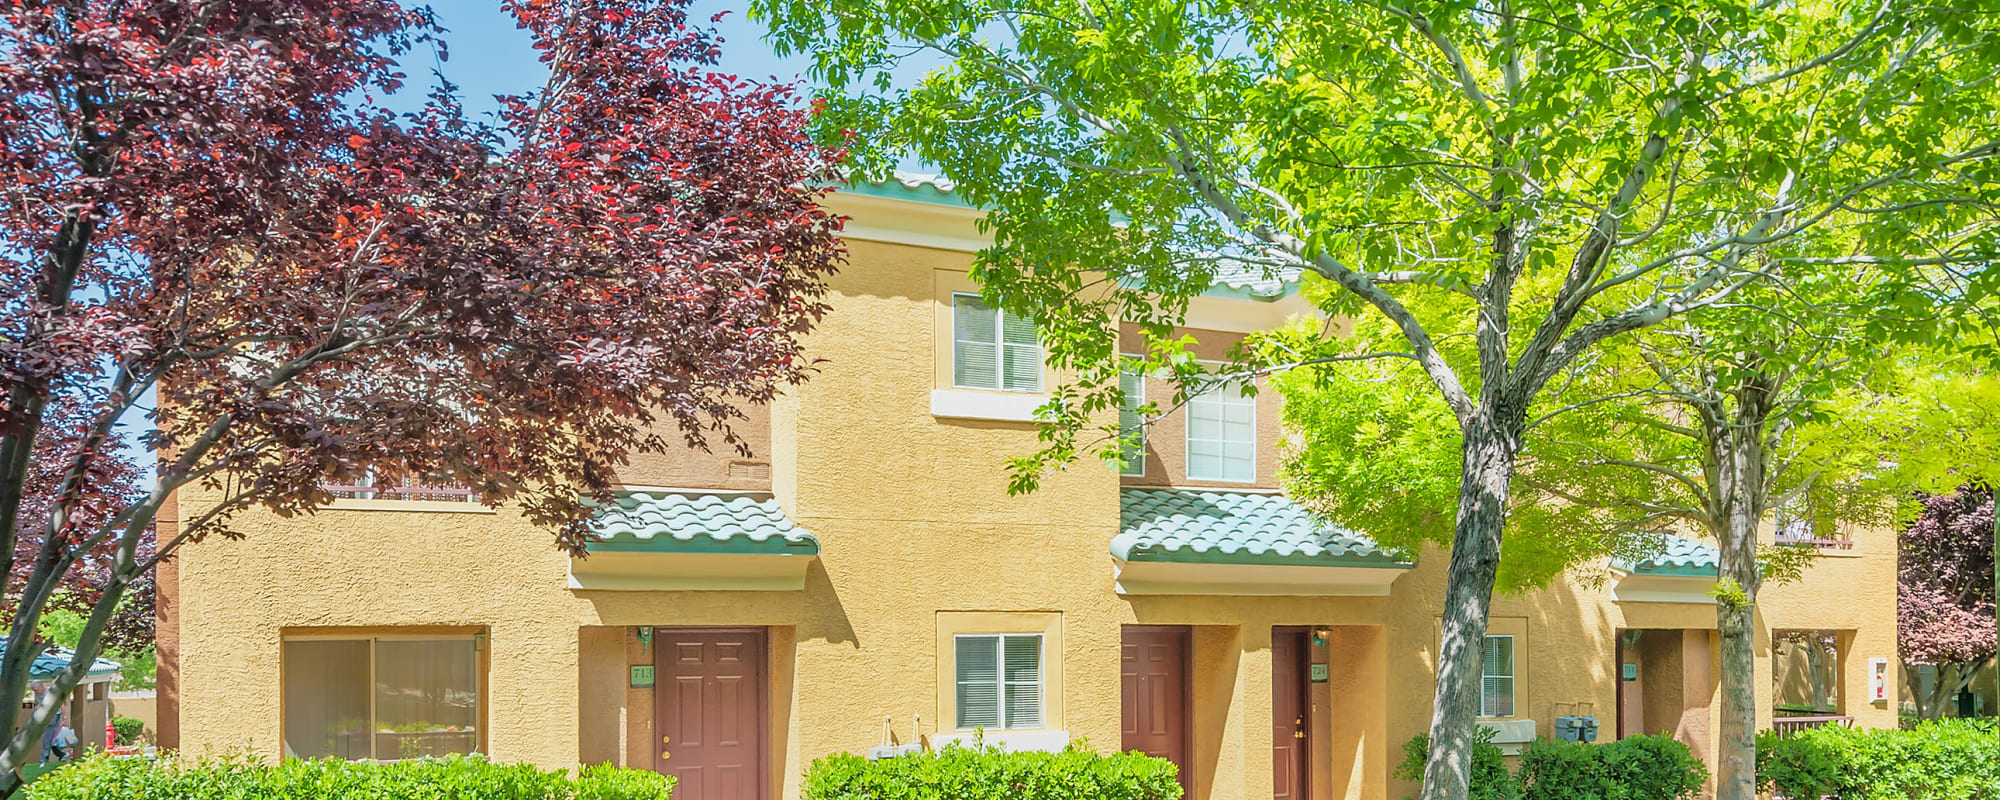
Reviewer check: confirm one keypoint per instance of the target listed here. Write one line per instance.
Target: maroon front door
(710, 706)
(1153, 669)
(1289, 718)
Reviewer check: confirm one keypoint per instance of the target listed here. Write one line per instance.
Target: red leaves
(406, 295)
(1944, 597)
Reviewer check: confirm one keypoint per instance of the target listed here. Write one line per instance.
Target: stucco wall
(914, 521)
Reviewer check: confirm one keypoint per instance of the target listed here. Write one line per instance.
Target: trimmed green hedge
(959, 773)
(1633, 768)
(1958, 759)
(127, 730)
(238, 778)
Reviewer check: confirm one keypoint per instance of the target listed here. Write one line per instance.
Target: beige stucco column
(1255, 679)
(1218, 714)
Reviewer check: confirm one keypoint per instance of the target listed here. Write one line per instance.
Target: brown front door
(710, 704)
(1289, 722)
(1153, 669)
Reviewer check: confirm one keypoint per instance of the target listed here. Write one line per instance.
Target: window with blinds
(999, 681)
(993, 349)
(1496, 677)
(1132, 426)
(1222, 435)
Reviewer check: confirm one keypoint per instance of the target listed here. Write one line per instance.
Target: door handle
(666, 739)
(1298, 734)
(664, 755)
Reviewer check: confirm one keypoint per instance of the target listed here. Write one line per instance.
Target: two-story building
(865, 578)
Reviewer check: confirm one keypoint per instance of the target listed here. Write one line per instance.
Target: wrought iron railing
(404, 490)
(1786, 726)
(1821, 542)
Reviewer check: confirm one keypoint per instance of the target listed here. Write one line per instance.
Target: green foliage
(1947, 758)
(126, 730)
(242, 778)
(1490, 778)
(982, 773)
(138, 669)
(1634, 768)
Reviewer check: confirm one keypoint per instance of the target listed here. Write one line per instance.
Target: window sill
(1037, 741)
(1001, 406)
(420, 506)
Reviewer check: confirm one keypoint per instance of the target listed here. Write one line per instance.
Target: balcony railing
(1786, 726)
(407, 490)
(1821, 542)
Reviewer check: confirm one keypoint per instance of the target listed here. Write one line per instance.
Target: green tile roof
(913, 186)
(698, 522)
(1195, 526)
(1678, 556)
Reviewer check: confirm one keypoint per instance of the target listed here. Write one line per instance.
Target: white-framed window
(999, 680)
(1222, 435)
(1131, 425)
(385, 698)
(1496, 677)
(992, 348)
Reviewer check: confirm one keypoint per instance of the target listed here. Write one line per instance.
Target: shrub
(1490, 779)
(1946, 758)
(983, 773)
(126, 730)
(243, 778)
(1634, 768)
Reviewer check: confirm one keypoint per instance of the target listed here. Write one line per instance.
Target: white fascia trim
(1257, 580)
(1631, 588)
(935, 241)
(1002, 406)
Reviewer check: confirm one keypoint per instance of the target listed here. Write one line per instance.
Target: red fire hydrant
(110, 734)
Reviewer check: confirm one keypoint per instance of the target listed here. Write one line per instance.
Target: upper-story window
(1132, 424)
(992, 348)
(1222, 435)
(1496, 677)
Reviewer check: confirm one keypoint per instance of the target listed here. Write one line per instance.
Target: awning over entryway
(1206, 541)
(682, 540)
(1682, 571)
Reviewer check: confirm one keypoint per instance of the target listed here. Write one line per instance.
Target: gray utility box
(1576, 728)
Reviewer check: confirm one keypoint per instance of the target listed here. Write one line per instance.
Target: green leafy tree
(1507, 184)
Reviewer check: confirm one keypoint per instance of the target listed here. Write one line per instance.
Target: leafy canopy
(1560, 173)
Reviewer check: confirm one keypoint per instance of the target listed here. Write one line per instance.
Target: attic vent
(749, 471)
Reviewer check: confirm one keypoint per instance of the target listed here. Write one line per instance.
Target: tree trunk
(1737, 451)
(1490, 448)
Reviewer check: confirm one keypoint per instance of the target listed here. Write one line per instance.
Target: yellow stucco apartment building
(865, 578)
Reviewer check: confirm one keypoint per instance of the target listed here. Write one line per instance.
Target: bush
(1958, 758)
(241, 778)
(1490, 779)
(961, 773)
(1635, 768)
(126, 730)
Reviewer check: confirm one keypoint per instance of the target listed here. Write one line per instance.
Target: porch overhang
(651, 541)
(1208, 542)
(1683, 571)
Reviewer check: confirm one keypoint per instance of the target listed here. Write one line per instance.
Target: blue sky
(490, 56)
